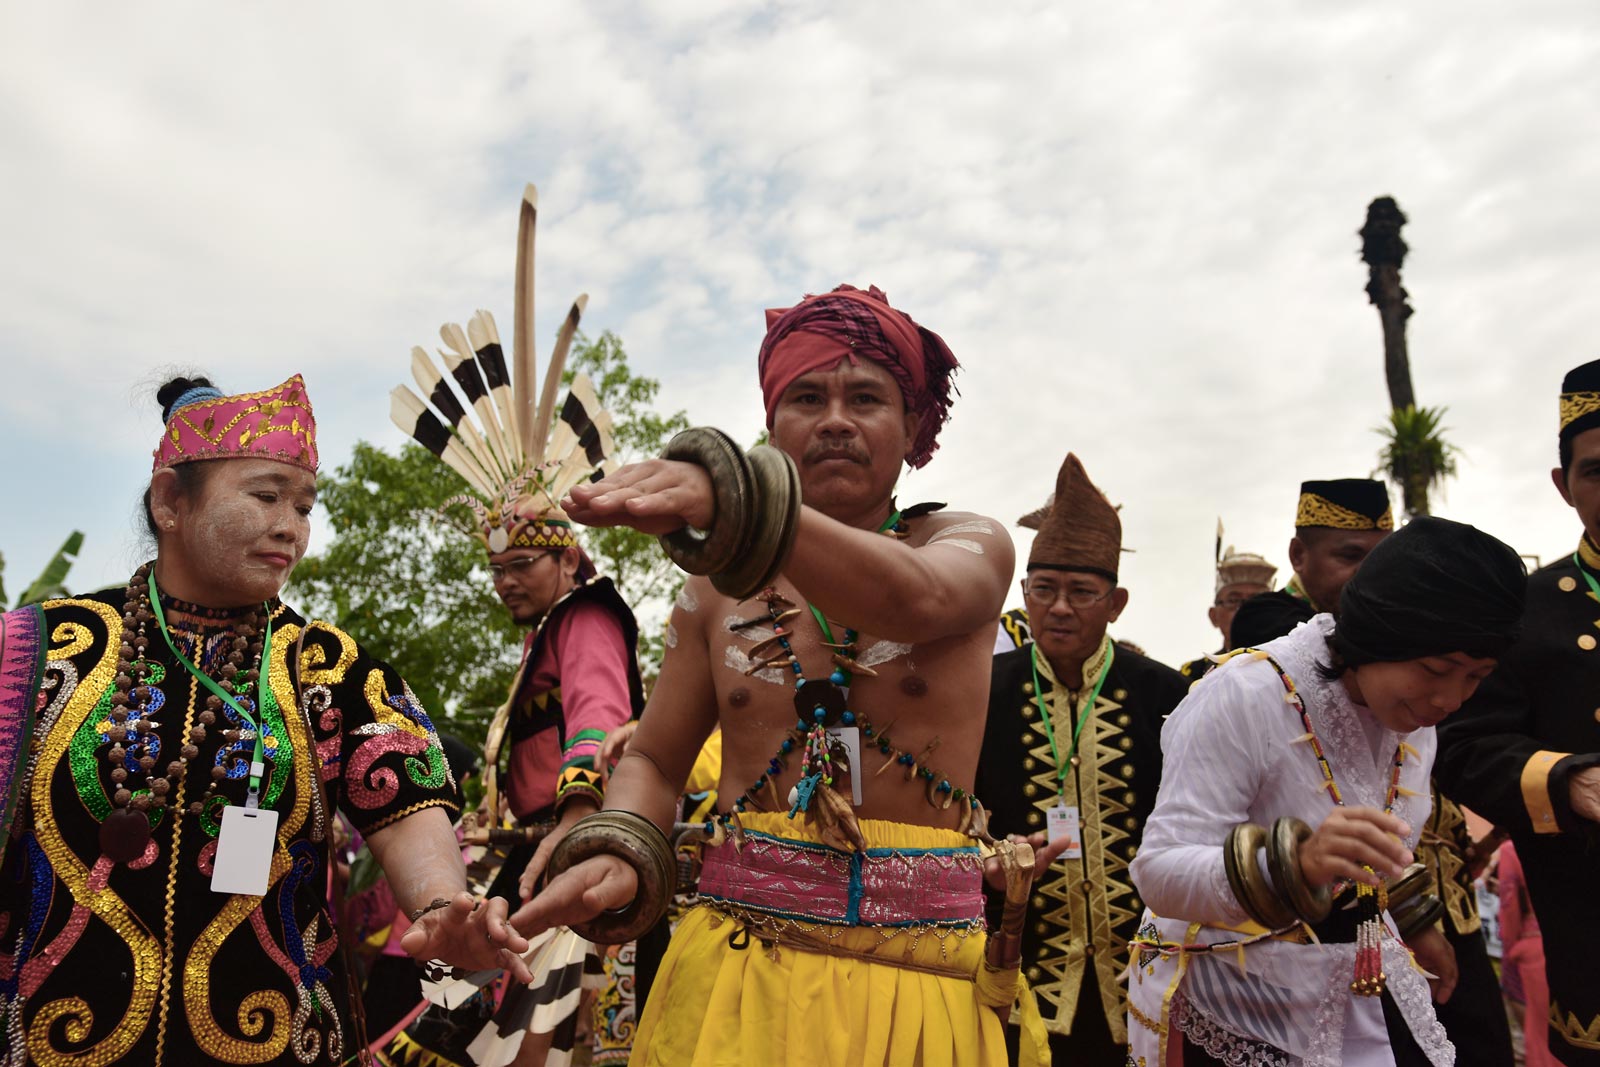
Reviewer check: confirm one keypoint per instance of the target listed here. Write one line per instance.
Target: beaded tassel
(1371, 902)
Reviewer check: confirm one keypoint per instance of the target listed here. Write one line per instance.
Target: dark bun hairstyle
(169, 393)
(191, 476)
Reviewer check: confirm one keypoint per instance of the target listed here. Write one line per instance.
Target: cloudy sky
(1134, 223)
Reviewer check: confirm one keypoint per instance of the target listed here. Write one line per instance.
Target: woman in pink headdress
(171, 757)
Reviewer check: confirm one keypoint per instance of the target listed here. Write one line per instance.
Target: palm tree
(1415, 455)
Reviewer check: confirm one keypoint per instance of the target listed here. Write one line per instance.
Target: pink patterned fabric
(276, 424)
(878, 887)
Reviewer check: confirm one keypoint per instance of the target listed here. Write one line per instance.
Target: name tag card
(244, 851)
(850, 738)
(1061, 822)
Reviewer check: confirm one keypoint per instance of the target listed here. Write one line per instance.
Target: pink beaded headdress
(276, 424)
(520, 454)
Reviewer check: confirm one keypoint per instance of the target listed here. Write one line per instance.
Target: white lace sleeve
(1213, 749)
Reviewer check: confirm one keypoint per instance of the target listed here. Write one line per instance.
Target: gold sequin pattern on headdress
(1575, 406)
(1318, 510)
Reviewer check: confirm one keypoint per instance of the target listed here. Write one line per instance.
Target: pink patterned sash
(21, 668)
(879, 887)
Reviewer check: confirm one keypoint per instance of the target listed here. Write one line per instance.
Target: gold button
(1125, 743)
(1029, 763)
(1028, 738)
(1130, 822)
(1127, 770)
(1597, 714)
(1086, 887)
(1088, 950)
(1040, 928)
(1030, 790)
(1128, 798)
(1119, 694)
(1568, 584)
(1586, 642)
(1027, 687)
(1034, 818)
(1124, 720)
(1076, 760)
(1033, 974)
(1039, 901)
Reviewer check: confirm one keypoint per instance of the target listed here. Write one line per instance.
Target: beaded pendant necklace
(823, 705)
(1371, 900)
(133, 746)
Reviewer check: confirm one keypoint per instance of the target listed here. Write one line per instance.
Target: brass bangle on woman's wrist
(1310, 904)
(1250, 886)
(1417, 914)
(640, 844)
(756, 517)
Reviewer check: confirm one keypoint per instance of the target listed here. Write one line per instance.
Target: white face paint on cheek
(224, 537)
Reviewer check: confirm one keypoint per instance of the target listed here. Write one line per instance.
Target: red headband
(849, 323)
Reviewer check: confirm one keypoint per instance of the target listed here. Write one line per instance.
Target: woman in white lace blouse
(1331, 725)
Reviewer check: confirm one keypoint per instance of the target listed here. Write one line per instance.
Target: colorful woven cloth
(736, 988)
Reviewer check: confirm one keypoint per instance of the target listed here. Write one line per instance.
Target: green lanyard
(827, 631)
(257, 767)
(1594, 587)
(1063, 767)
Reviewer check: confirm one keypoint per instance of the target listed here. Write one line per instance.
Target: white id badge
(244, 851)
(850, 737)
(1061, 821)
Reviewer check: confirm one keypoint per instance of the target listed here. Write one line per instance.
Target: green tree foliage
(52, 581)
(417, 592)
(1415, 455)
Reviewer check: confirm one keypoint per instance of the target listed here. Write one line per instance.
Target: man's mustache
(819, 452)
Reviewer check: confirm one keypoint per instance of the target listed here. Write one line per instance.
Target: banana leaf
(52, 581)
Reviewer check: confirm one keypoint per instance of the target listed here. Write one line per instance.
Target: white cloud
(1135, 225)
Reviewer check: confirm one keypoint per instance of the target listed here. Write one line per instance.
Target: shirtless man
(796, 910)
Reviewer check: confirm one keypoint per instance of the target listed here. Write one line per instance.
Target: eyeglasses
(1045, 594)
(1231, 603)
(516, 568)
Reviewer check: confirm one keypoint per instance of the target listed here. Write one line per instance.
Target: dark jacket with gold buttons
(1084, 910)
(1509, 754)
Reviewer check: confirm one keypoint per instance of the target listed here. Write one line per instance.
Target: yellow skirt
(713, 1004)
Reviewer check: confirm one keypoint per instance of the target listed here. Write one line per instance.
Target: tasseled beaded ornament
(1371, 902)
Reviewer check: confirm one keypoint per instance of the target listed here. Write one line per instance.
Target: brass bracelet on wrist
(757, 512)
(732, 485)
(1250, 887)
(1419, 913)
(1310, 905)
(640, 844)
(433, 905)
(776, 507)
(1411, 883)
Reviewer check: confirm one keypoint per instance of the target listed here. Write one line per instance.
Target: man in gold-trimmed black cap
(1525, 751)
(1336, 524)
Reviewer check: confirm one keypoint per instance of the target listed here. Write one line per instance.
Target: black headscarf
(1433, 588)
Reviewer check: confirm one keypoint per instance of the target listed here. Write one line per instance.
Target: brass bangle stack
(1287, 898)
(757, 513)
(640, 844)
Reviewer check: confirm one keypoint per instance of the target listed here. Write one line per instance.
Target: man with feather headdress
(579, 675)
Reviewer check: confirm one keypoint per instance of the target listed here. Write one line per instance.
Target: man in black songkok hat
(1336, 524)
(1525, 751)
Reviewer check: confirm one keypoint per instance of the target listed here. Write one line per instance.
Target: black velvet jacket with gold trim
(1083, 911)
(1509, 753)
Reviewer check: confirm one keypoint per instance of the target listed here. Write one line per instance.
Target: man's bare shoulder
(960, 527)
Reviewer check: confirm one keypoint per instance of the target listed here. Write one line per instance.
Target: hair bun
(169, 393)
